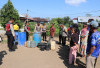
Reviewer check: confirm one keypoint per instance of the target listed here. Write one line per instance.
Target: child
(73, 46)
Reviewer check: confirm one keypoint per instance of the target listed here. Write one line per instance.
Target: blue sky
(56, 8)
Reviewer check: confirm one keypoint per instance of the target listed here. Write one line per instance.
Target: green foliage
(32, 26)
(8, 11)
(60, 20)
(57, 21)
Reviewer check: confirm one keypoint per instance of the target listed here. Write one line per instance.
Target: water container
(53, 45)
(37, 37)
(16, 36)
(28, 44)
(33, 44)
(21, 38)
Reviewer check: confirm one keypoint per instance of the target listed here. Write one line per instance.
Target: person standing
(38, 28)
(26, 29)
(69, 33)
(64, 34)
(93, 48)
(84, 37)
(16, 27)
(10, 35)
(60, 34)
(73, 46)
(44, 28)
(52, 32)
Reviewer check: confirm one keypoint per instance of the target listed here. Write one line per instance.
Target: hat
(94, 24)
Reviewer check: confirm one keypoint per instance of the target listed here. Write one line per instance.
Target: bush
(32, 26)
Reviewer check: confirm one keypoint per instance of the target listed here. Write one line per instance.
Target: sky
(56, 8)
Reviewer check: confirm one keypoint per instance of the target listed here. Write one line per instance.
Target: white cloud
(74, 2)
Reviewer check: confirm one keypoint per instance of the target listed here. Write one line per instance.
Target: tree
(59, 20)
(67, 20)
(8, 11)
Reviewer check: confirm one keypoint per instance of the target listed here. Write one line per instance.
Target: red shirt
(52, 31)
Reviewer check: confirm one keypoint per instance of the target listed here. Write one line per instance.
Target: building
(85, 19)
(36, 19)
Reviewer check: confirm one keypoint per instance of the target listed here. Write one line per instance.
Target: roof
(36, 19)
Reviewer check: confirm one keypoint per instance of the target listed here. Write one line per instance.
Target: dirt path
(35, 58)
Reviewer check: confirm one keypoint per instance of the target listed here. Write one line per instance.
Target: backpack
(8, 27)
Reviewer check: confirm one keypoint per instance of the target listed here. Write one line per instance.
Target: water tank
(37, 37)
(21, 38)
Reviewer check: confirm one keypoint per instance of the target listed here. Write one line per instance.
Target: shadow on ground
(2, 53)
(64, 55)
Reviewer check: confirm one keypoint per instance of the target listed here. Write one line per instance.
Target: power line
(83, 12)
(70, 14)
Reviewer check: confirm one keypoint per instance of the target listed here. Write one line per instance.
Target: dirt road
(25, 57)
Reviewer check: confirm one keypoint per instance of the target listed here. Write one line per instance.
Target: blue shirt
(94, 40)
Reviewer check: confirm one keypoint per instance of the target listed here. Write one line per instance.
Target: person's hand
(74, 43)
(88, 55)
(30, 32)
(77, 45)
(14, 37)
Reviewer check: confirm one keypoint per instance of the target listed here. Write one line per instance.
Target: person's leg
(27, 36)
(90, 62)
(52, 38)
(95, 62)
(45, 36)
(85, 49)
(12, 42)
(60, 39)
(74, 55)
(64, 41)
(8, 41)
(49, 38)
(82, 51)
(70, 55)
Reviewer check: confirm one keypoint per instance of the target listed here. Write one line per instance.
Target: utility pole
(27, 15)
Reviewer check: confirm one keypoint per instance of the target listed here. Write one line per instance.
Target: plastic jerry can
(53, 45)
(25, 44)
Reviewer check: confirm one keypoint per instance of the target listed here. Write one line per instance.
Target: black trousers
(10, 41)
(63, 40)
(27, 35)
(44, 36)
(60, 38)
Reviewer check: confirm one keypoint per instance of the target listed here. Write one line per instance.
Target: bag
(8, 27)
(44, 46)
(8, 30)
